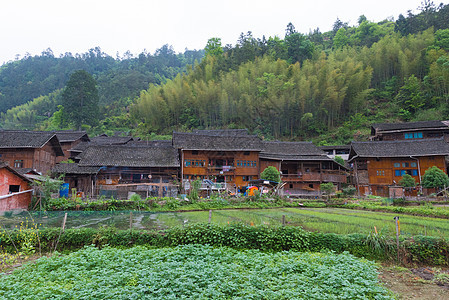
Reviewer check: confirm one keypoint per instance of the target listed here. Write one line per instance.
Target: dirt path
(416, 283)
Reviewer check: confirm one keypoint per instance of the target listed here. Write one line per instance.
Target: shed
(15, 189)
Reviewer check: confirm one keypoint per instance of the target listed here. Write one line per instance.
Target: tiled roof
(223, 132)
(29, 139)
(224, 140)
(292, 150)
(402, 148)
(24, 138)
(111, 140)
(74, 169)
(103, 140)
(409, 125)
(70, 135)
(129, 156)
(6, 166)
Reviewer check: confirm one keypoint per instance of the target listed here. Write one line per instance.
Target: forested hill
(33, 76)
(323, 86)
(327, 87)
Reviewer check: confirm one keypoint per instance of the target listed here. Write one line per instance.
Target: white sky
(117, 26)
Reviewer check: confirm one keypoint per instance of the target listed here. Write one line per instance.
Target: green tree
(407, 181)
(340, 160)
(80, 99)
(340, 39)
(434, 177)
(271, 173)
(410, 96)
(213, 47)
(328, 188)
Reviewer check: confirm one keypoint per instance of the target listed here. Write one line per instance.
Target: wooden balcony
(315, 177)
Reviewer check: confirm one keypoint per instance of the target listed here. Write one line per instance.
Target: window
(414, 172)
(413, 165)
(18, 163)
(405, 164)
(397, 165)
(380, 172)
(194, 163)
(291, 185)
(14, 188)
(415, 135)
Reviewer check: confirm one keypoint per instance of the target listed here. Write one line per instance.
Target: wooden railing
(325, 176)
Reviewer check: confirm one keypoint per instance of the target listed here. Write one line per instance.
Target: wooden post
(131, 220)
(63, 222)
(210, 216)
(397, 234)
(283, 220)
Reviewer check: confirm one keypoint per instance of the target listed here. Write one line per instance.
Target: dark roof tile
(129, 156)
(29, 139)
(409, 125)
(403, 148)
(70, 135)
(74, 169)
(224, 140)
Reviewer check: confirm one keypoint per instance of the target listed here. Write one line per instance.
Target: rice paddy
(333, 220)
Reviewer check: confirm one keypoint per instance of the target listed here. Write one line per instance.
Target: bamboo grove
(273, 97)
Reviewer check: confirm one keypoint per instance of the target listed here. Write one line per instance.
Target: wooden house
(68, 140)
(15, 189)
(228, 156)
(149, 169)
(378, 166)
(303, 166)
(410, 131)
(80, 178)
(37, 150)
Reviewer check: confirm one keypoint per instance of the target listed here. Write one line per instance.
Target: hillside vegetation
(327, 87)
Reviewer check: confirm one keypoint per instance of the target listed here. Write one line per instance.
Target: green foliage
(407, 181)
(45, 186)
(213, 47)
(231, 274)
(434, 177)
(350, 190)
(339, 160)
(80, 99)
(194, 190)
(271, 173)
(327, 187)
(419, 249)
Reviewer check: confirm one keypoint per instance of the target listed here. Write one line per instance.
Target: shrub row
(420, 249)
(424, 211)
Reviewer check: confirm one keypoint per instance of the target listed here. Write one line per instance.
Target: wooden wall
(41, 159)
(382, 171)
(238, 174)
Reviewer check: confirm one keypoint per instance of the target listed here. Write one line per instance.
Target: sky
(32, 26)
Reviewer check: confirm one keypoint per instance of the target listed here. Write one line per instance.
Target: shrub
(349, 191)
(407, 181)
(271, 173)
(434, 177)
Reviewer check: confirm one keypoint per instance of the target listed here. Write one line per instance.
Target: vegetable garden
(194, 272)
